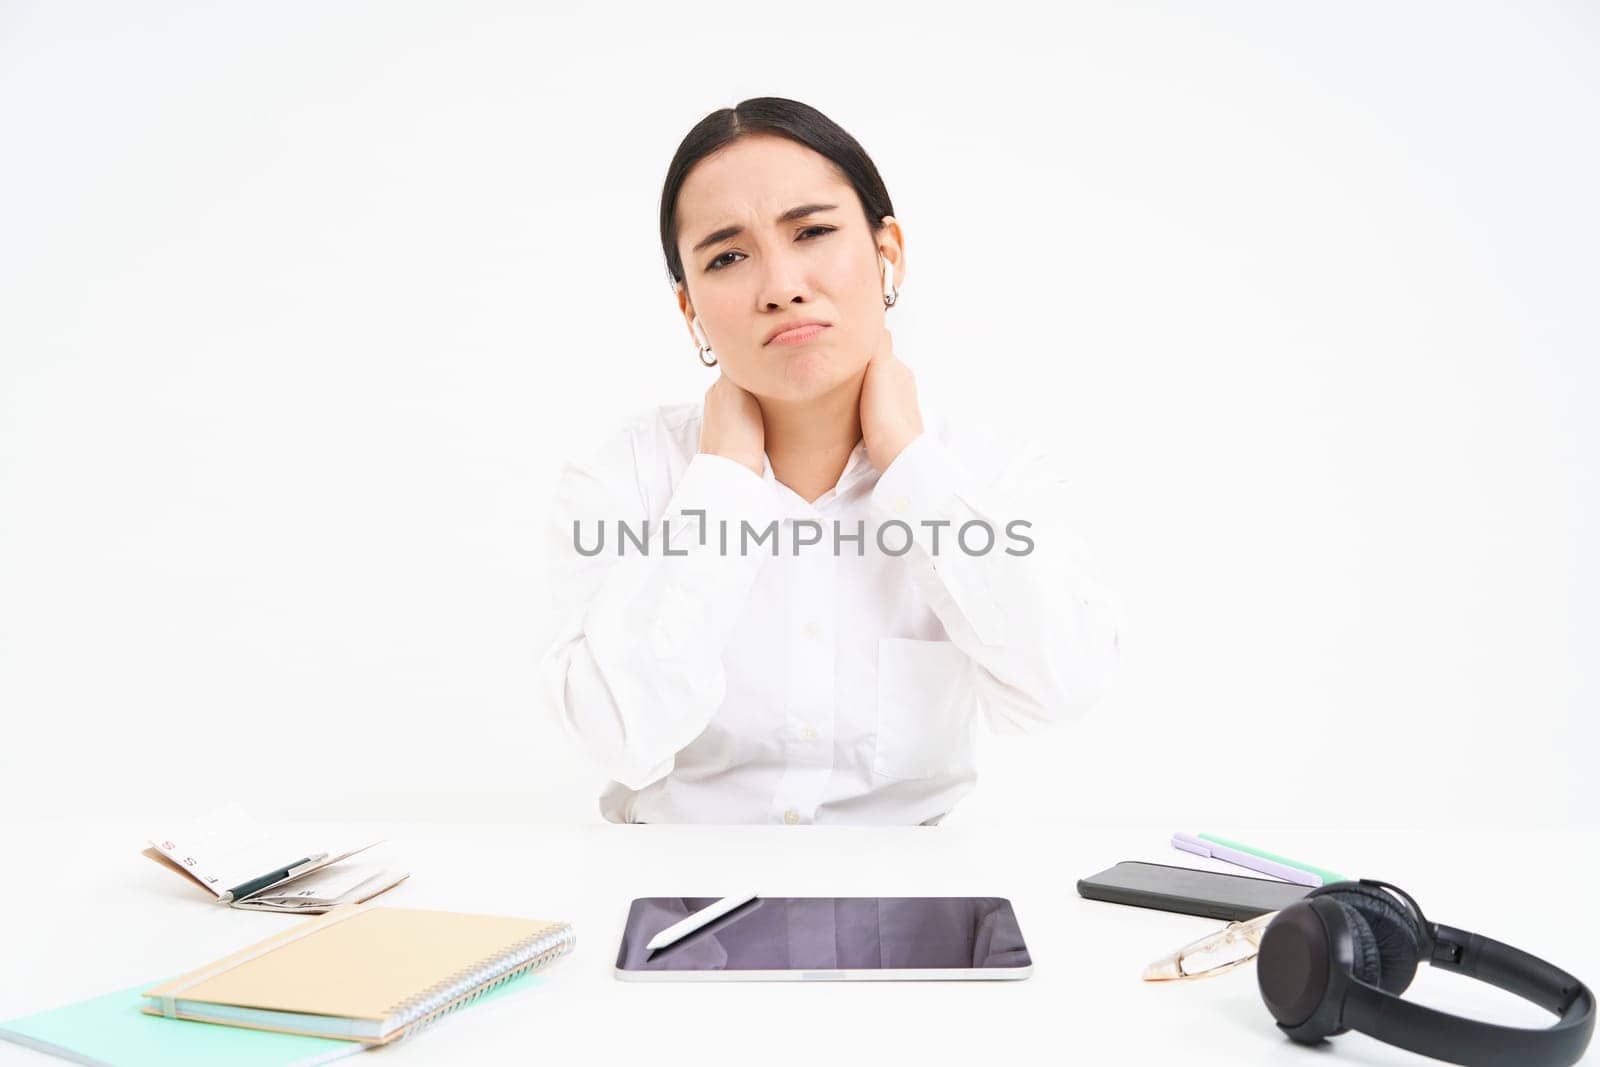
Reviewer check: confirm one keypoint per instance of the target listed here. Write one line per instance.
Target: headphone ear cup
(1295, 968)
(1367, 964)
(1394, 932)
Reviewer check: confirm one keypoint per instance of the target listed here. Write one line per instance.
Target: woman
(830, 671)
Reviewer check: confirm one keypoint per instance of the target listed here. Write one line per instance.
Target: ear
(891, 244)
(686, 308)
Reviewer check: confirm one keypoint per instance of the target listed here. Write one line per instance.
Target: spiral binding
(417, 1012)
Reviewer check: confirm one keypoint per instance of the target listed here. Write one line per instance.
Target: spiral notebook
(363, 972)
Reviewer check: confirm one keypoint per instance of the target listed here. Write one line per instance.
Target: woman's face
(776, 271)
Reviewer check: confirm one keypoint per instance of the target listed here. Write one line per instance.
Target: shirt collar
(856, 467)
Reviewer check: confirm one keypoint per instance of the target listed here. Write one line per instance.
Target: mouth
(796, 333)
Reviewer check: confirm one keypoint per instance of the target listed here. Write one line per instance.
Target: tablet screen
(829, 933)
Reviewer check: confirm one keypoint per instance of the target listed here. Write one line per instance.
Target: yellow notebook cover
(362, 971)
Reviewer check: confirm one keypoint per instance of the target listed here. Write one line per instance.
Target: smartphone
(1192, 892)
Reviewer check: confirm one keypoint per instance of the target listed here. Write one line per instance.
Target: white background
(303, 305)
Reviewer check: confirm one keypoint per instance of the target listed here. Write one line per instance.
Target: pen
(255, 885)
(1321, 872)
(1190, 843)
(689, 924)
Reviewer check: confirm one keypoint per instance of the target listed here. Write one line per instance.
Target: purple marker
(1191, 843)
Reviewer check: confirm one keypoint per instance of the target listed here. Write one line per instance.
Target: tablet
(828, 939)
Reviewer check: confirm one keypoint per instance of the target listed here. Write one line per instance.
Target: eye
(718, 263)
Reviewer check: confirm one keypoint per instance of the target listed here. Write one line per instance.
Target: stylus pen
(690, 923)
(1191, 843)
(1321, 872)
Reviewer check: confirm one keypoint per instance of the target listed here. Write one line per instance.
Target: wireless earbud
(891, 292)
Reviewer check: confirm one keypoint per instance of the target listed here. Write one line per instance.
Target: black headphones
(1340, 958)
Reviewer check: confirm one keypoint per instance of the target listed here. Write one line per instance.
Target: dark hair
(785, 118)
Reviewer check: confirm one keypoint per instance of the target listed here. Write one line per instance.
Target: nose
(783, 282)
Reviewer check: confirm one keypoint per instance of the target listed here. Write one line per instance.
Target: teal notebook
(111, 1031)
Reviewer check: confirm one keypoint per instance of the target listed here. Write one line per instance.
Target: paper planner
(227, 849)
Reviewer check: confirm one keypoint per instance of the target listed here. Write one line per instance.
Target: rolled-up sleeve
(635, 671)
(1030, 609)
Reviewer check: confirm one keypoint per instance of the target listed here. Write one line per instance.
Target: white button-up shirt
(841, 679)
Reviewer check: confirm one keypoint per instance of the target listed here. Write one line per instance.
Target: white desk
(83, 913)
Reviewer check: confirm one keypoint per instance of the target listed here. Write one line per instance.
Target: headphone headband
(1439, 1034)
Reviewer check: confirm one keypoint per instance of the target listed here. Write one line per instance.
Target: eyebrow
(788, 216)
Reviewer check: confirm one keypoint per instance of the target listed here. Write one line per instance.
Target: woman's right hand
(732, 426)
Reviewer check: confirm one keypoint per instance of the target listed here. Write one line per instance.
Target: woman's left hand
(890, 417)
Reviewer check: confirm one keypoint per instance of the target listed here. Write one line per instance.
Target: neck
(809, 443)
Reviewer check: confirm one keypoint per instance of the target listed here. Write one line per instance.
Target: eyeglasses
(1234, 944)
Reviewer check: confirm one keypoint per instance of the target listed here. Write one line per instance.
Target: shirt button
(808, 734)
(791, 816)
(900, 504)
(813, 630)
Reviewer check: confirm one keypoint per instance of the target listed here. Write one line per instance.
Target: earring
(891, 291)
(712, 362)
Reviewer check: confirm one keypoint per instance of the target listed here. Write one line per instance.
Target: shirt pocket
(925, 704)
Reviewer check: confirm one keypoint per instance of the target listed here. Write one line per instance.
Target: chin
(807, 374)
